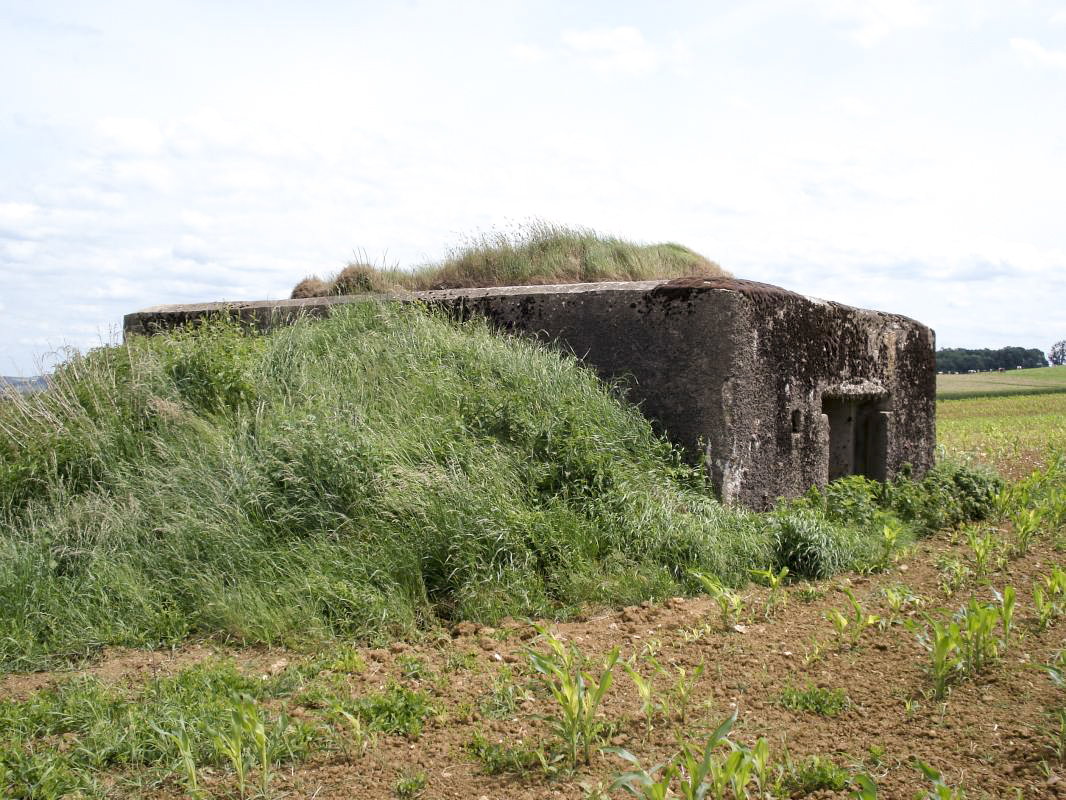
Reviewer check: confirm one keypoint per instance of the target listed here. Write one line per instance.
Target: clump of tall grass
(359, 476)
(536, 253)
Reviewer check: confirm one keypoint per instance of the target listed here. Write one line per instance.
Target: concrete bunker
(772, 391)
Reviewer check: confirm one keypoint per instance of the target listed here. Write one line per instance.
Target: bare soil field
(993, 735)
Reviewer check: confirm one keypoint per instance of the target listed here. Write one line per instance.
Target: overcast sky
(898, 155)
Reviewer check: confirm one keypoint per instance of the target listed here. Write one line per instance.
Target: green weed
(496, 758)
(209, 715)
(412, 668)
(396, 710)
(503, 699)
(815, 700)
(812, 774)
(411, 785)
(459, 662)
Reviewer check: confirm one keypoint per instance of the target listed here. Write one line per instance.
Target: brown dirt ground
(990, 735)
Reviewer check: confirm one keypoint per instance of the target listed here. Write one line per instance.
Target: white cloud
(873, 20)
(1034, 54)
(139, 136)
(19, 251)
(529, 52)
(142, 172)
(13, 215)
(610, 50)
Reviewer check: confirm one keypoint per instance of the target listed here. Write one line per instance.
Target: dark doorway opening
(858, 436)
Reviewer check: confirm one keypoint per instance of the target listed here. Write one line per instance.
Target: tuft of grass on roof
(537, 253)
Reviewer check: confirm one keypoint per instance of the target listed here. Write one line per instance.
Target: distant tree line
(957, 359)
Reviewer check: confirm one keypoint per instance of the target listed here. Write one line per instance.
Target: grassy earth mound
(382, 471)
(539, 253)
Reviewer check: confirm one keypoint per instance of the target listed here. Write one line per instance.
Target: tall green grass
(364, 476)
(536, 253)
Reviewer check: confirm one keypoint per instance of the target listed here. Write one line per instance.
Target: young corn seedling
(1045, 609)
(683, 687)
(1050, 599)
(953, 575)
(982, 545)
(183, 742)
(577, 694)
(230, 744)
(943, 644)
(856, 624)
(649, 706)
(840, 625)
(1056, 669)
(1056, 585)
(1026, 524)
(760, 766)
(699, 774)
(889, 537)
(253, 725)
(865, 788)
(360, 741)
(1006, 611)
(901, 599)
(730, 605)
(1056, 735)
(940, 790)
(246, 723)
(978, 645)
(649, 784)
(775, 580)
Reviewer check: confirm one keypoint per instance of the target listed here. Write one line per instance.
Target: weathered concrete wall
(774, 391)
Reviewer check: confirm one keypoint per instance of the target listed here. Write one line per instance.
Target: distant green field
(1012, 432)
(1044, 380)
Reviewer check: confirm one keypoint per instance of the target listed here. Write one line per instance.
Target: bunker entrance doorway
(858, 436)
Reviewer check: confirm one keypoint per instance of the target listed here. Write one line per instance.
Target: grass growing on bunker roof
(535, 253)
(364, 476)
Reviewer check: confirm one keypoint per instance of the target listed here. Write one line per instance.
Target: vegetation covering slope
(368, 475)
(539, 253)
